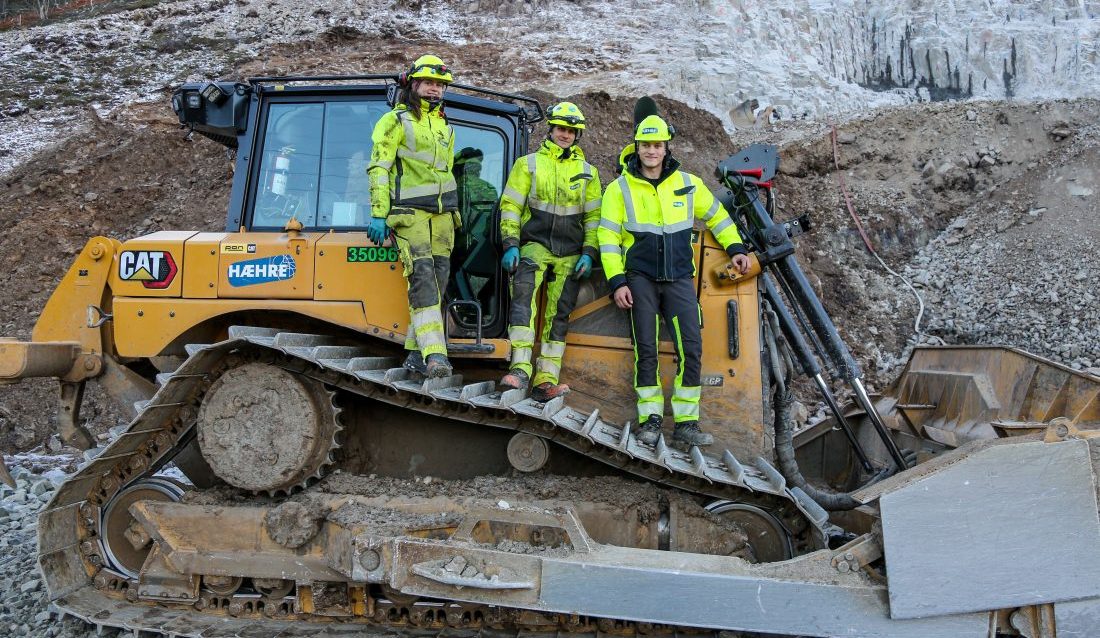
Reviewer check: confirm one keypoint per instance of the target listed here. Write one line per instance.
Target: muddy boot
(516, 379)
(438, 366)
(414, 362)
(543, 392)
(689, 434)
(650, 430)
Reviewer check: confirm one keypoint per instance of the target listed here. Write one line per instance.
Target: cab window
(313, 166)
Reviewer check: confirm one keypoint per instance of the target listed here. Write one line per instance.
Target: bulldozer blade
(24, 359)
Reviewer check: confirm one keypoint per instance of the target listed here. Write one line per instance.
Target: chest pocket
(567, 200)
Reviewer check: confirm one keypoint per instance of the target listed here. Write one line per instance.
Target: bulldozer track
(82, 583)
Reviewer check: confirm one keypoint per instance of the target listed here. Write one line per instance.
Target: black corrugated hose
(784, 426)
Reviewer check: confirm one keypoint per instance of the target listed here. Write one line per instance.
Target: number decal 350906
(361, 254)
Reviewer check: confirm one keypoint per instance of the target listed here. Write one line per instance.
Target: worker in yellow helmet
(646, 250)
(548, 216)
(413, 196)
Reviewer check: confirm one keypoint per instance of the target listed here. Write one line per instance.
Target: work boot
(650, 430)
(516, 379)
(689, 434)
(543, 392)
(438, 366)
(414, 362)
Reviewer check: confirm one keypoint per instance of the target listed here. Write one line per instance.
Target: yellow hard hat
(430, 67)
(653, 129)
(566, 114)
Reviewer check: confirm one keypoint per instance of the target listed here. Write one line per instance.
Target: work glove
(583, 268)
(510, 260)
(377, 230)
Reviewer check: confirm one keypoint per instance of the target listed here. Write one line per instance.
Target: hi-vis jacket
(410, 163)
(552, 198)
(647, 228)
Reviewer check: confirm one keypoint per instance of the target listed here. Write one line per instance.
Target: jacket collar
(552, 150)
(634, 168)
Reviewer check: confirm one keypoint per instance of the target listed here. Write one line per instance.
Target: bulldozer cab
(302, 154)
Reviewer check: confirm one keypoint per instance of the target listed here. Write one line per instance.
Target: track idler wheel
(266, 429)
(124, 541)
(766, 535)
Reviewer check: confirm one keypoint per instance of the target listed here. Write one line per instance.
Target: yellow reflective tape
(593, 204)
(509, 215)
(610, 225)
(612, 249)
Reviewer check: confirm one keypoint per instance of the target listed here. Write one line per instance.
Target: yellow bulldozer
(283, 474)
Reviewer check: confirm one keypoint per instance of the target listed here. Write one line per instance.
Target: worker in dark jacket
(646, 251)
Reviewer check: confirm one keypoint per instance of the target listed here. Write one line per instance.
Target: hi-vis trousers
(676, 303)
(537, 264)
(425, 241)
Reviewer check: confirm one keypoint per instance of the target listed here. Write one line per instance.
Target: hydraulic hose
(784, 430)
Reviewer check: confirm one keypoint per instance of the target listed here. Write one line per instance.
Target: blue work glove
(377, 230)
(510, 260)
(583, 268)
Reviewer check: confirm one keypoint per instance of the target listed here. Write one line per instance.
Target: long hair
(410, 99)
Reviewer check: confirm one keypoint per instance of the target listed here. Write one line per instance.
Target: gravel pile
(1020, 271)
(24, 609)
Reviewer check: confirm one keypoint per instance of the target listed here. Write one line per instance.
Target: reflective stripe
(610, 225)
(521, 355)
(685, 410)
(678, 227)
(427, 157)
(531, 164)
(611, 249)
(426, 317)
(687, 393)
(427, 324)
(592, 225)
(514, 195)
(650, 402)
(670, 229)
(521, 334)
(712, 211)
(561, 210)
(410, 132)
(642, 228)
(554, 349)
(421, 191)
(547, 367)
(509, 215)
(593, 204)
(690, 195)
(385, 165)
(628, 201)
(722, 225)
